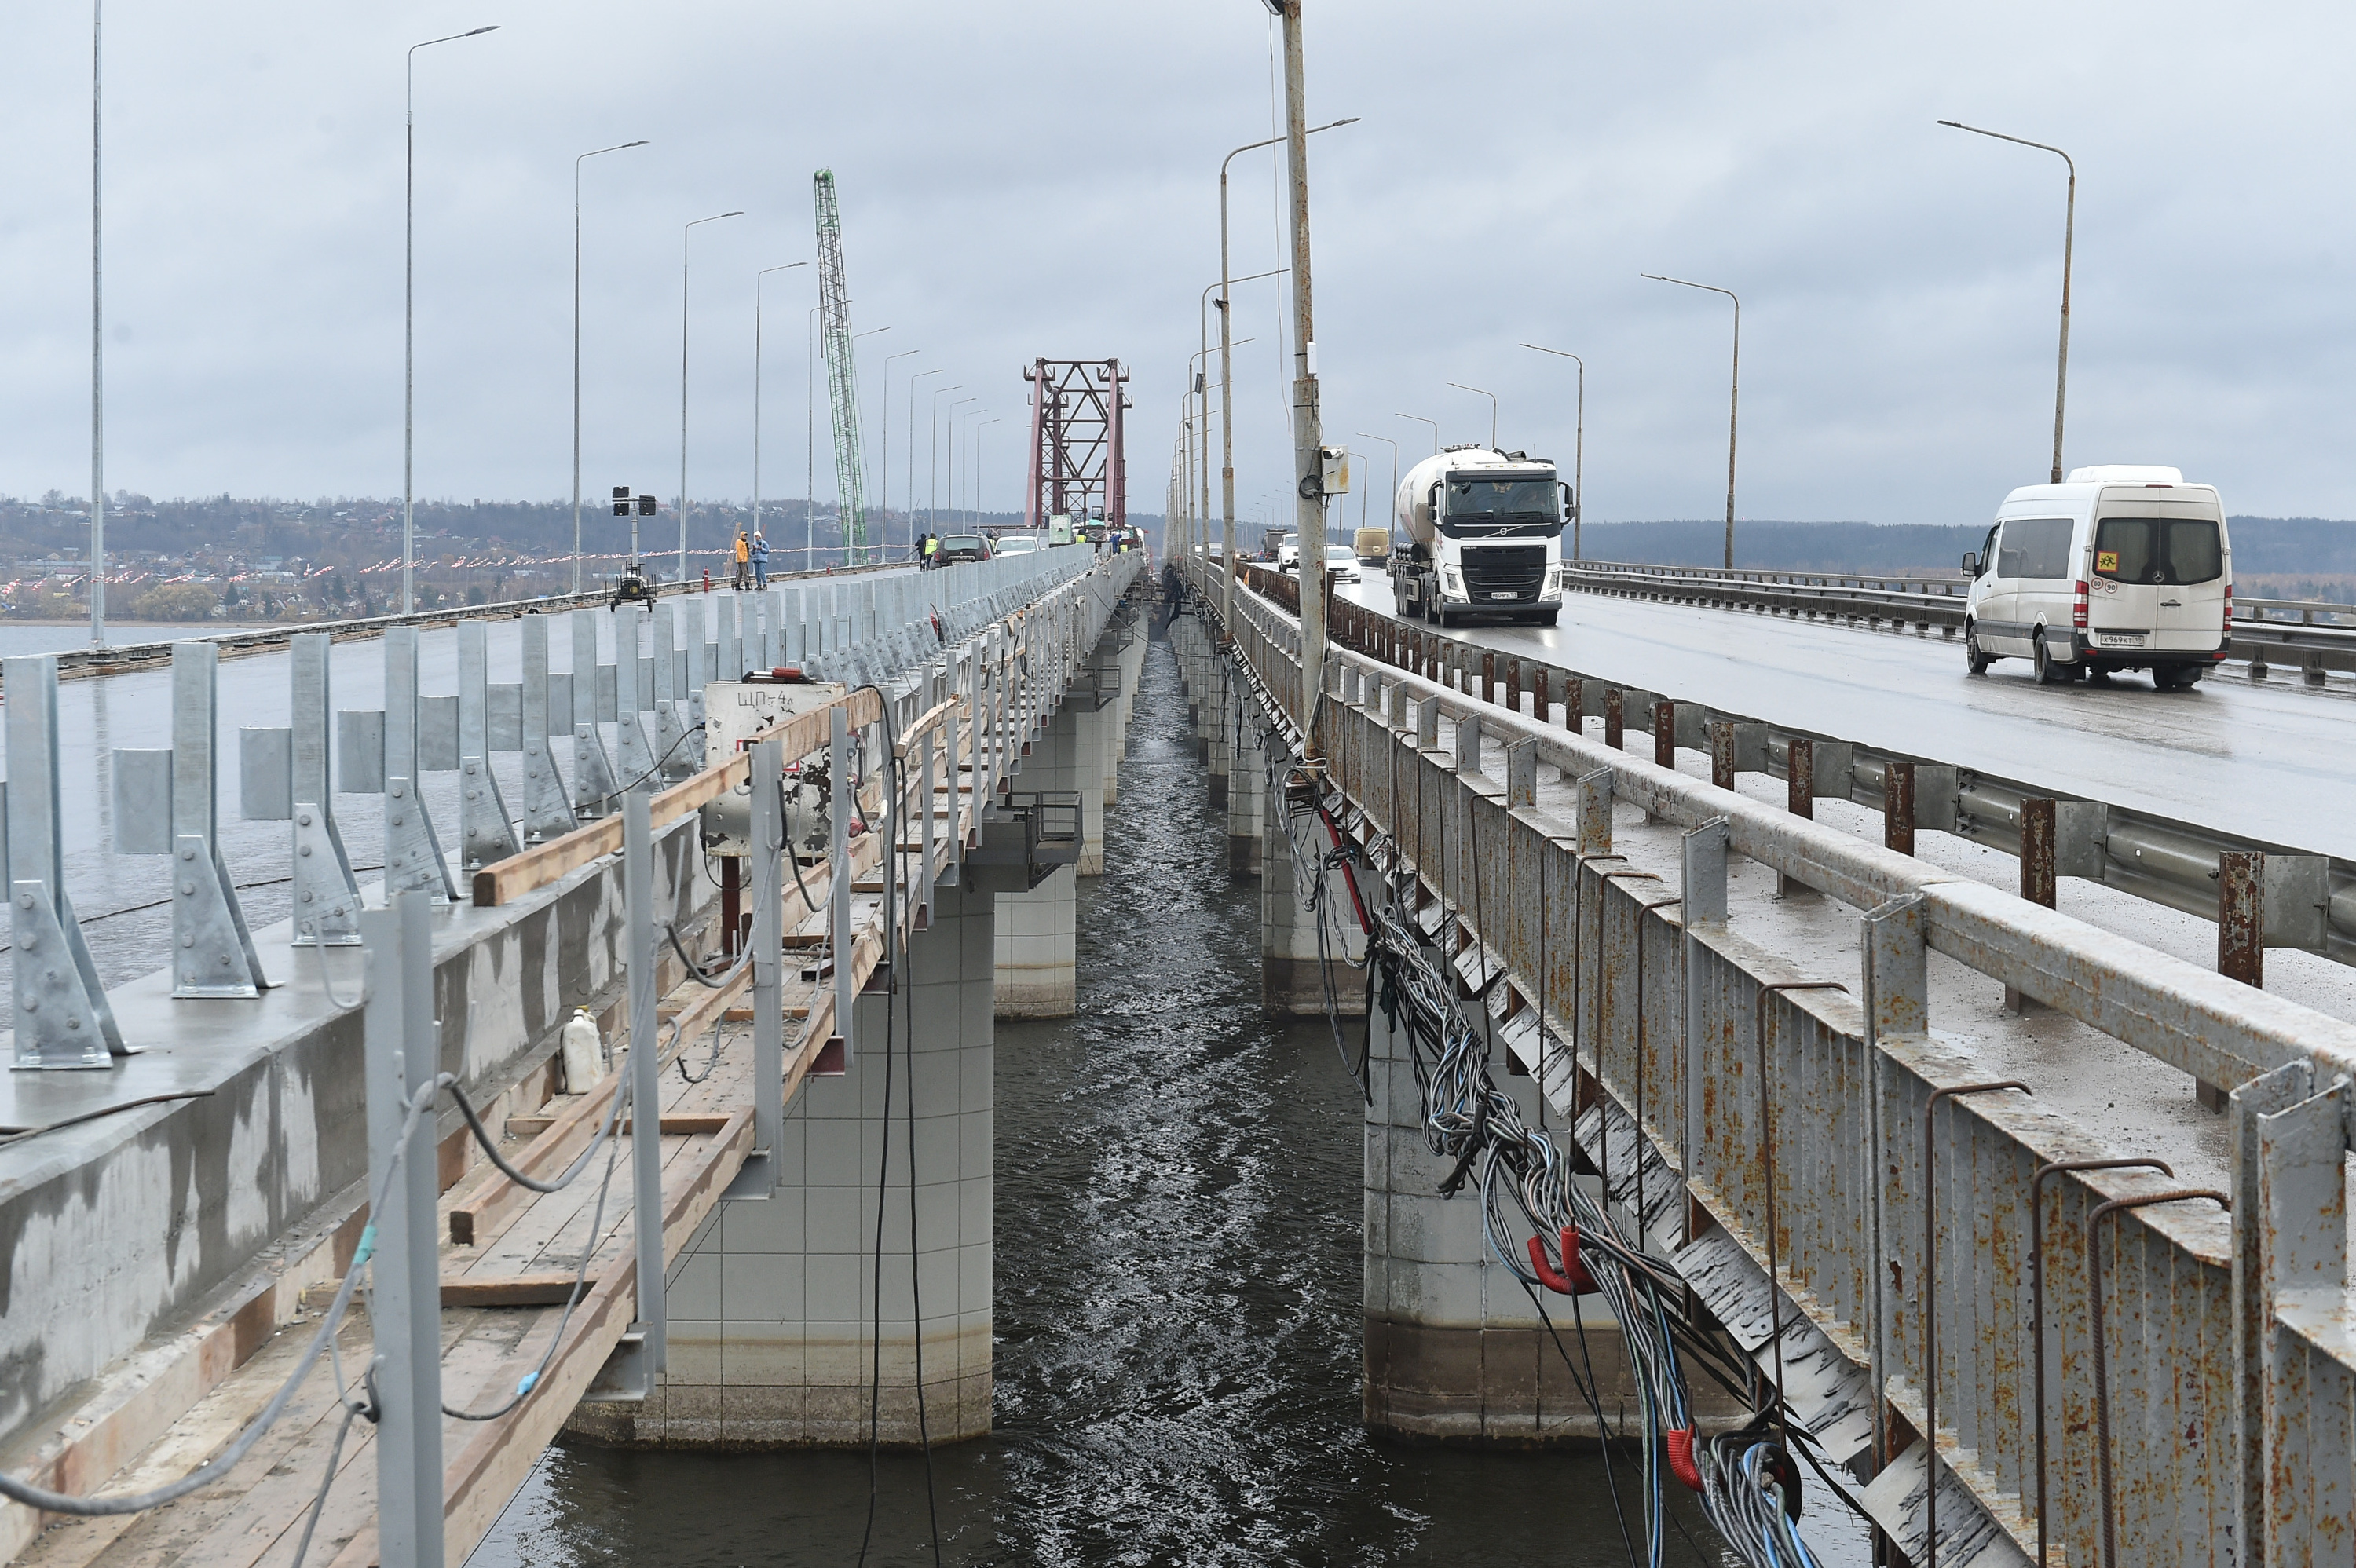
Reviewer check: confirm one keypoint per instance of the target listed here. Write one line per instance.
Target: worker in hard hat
(744, 561)
(760, 560)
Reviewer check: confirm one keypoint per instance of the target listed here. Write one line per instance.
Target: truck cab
(1485, 538)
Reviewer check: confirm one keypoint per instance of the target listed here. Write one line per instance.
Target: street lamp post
(810, 443)
(684, 233)
(1434, 423)
(2068, 238)
(954, 418)
(409, 328)
(764, 272)
(1227, 320)
(974, 480)
(883, 457)
(1733, 399)
(933, 458)
(912, 449)
(1386, 441)
(577, 162)
(957, 453)
(1493, 408)
(1578, 446)
(97, 362)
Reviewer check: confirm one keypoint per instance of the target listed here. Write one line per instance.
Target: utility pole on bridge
(1307, 428)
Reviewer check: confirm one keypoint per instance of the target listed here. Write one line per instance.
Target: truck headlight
(1451, 581)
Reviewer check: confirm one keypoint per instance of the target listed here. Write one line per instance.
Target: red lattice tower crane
(1078, 463)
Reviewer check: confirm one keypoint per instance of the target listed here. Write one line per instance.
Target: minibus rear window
(2165, 551)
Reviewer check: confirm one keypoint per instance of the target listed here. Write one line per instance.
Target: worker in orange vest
(744, 560)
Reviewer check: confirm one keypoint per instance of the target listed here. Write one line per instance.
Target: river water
(1177, 1313)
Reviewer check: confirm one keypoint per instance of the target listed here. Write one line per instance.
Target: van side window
(2034, 547)
(1988, 553)
(2167, 550)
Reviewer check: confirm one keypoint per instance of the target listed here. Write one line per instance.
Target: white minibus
(2121, 568)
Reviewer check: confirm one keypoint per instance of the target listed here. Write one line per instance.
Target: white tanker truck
(1485, 538)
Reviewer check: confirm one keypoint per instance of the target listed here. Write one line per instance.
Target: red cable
(1681, 1457)
(1574, 1279)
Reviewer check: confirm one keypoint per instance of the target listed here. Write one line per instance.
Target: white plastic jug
(584, 1054)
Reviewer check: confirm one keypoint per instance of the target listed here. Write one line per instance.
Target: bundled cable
(1557, 1238)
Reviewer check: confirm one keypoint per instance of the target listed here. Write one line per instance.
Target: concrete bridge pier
(1218, 730)
(1247, 784)
(772, 1325)
(1299, 965)
(1455, 1350)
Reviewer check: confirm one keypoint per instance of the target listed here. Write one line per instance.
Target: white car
(1288, 553)
(1016, 544)
(1342, 561)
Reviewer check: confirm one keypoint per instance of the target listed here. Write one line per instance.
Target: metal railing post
(593, 785)
(213, 950)
(413, 853)
(64, 1019)
(547, 813)
(676, 758)
(646, 1075)
(485, 832)
(326, 895)
(762, 1169)
(839, 810)
(631, 753)
(405, 1304)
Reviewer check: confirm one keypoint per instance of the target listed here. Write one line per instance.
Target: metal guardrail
(2320, 640)
(2156, 1373)
(123, 659)
(2308, 901)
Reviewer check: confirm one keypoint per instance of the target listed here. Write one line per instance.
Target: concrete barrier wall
(128, 1227)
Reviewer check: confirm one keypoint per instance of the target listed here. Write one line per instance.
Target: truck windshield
(1487, 508)
(2167, 550)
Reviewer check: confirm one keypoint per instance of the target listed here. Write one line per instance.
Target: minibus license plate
(2121, 639)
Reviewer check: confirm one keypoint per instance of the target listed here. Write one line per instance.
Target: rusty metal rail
(2228, 1375)
(2304, 900)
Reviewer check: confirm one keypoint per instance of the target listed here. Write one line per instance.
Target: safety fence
(943, 693)
(2261, 895)
(2312, 636)
(2135, 1372)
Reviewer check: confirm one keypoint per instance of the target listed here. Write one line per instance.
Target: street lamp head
(479, 32)
(640, 143)
(1337, 124)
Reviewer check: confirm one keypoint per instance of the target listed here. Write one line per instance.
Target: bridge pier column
(1038, 931)
(1217, 730)
(772, 1304)
(1247, 788)
(1092, 742)
(1454, 1350)
(1294, 975)
(1132, 670)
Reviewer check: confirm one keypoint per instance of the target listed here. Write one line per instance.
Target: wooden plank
(802, 734)
(686, 1125)
(492, 1464)
(550, 1287)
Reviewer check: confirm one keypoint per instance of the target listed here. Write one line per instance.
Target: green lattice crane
(841, 373)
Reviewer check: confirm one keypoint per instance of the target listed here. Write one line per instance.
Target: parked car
(1016, 544)
(962, 546)
(2119, 567)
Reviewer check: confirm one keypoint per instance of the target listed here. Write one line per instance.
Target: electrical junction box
(734, 712)
(1336, 463)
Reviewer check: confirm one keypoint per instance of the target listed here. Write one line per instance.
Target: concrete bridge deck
(1005, 710)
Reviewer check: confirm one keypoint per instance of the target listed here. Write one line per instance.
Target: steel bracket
(212, 952)
(327, 898)
(58, 1024)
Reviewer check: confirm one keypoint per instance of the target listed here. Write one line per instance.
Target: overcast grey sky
(1039, 178)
